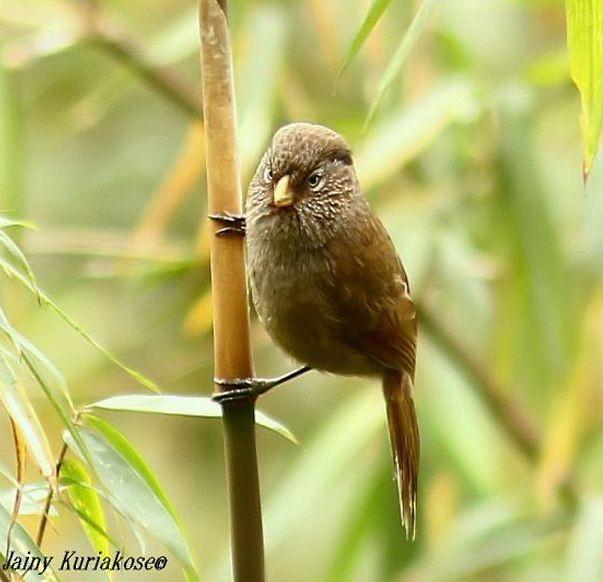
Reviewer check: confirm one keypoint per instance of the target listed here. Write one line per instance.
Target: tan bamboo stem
(232, 353)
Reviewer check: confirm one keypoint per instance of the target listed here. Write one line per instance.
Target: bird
(327, 283)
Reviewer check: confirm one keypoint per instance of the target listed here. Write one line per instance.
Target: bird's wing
(371, 296)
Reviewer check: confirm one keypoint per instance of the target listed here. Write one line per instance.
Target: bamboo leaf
(318, 470)
(19, 407)
(488, 536)
(374, 14)
(585, 47)
(87, 504)
(33, 359)
(21, 543)
(400, 137)
(39, 366)
(570, 405)
(8, 222)
(199, 406)
(132, 488)
(6, 474)
(33, 499)
(397, 61)
(18, 257)
(357, 528)
(11, 271)
(544, 327)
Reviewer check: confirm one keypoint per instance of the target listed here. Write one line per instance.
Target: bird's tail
(404, 440)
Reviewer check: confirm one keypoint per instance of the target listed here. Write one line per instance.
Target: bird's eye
(268, 174)
(315, 180)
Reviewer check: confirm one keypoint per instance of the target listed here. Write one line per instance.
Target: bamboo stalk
(232, 352)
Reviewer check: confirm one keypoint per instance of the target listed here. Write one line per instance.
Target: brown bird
(328, 284)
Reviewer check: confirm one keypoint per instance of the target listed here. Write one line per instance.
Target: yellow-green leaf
(87, 504)
(18, 405)
(399, 58)
(132, 488)
(585, 47)
(374, 14)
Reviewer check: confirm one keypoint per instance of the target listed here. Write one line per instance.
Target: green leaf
(87, 504)
(183, 406)
(6, 474)
(11, 271)
(132, 488)
(542, 335)
(395, 64)
(55, 390)
(30, 353)
(317, 471)
(585, 47)
(33, 500)
(488, 535)
(19, 407)
(15, 253)
(359, 524)
(374, 14)
(8, 222)
(406, 133)
(21, 543)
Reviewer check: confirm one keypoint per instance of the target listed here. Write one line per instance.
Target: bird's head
(307, 170)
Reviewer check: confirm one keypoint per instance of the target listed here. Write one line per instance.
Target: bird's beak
(283, 195)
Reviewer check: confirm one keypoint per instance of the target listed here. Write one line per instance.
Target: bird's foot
(245, 388)
(232, 223)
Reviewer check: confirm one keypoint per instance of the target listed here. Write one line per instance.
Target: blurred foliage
(473, 160)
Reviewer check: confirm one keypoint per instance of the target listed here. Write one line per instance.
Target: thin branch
(511, 414)
(49, 497)
(119, 45)
(164, 80)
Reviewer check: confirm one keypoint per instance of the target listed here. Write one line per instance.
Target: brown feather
(328, 284)
(404, 439)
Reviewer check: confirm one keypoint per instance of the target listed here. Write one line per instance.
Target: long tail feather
(404, 439)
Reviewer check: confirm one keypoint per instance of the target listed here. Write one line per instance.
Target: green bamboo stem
(232, 353)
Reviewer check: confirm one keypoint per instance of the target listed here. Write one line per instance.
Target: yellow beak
(283, 196)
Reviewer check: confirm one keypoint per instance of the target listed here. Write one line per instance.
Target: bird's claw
(246, 388)
(241, 388)
(234, 223)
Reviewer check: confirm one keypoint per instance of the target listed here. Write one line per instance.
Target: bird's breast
(288, 288)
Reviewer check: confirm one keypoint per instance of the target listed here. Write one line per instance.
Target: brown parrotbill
(328, 284)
